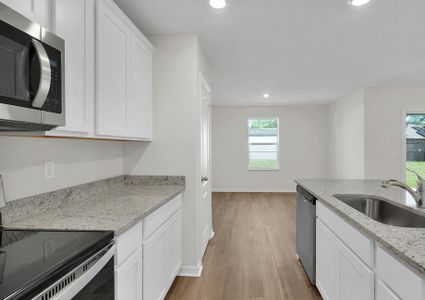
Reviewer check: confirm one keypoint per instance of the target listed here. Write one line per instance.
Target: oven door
(92, 280)
(101, 286)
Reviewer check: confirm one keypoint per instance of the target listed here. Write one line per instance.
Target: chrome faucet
(417, 194)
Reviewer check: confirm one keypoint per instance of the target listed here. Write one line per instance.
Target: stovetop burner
(32, 259)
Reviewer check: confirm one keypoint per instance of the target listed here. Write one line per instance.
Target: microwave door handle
(45, 75)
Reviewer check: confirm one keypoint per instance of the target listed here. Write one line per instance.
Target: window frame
(277, 144)
(405, 113)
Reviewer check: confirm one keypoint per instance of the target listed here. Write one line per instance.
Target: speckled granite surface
(111, 204)
(406, 243)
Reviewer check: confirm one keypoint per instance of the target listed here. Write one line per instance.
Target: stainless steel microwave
(31, 75)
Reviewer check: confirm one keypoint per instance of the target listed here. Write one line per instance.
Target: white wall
(175, 149)
(384, 132)
(303, 147)
(77, 161)
(346, 137)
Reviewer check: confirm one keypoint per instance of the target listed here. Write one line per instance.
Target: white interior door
(206, 207)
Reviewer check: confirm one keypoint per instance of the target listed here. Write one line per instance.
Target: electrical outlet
(119, 161)
(49, 169)
(48, 248)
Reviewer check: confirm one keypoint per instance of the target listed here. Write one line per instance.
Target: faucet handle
(419, 177)
(419, 180)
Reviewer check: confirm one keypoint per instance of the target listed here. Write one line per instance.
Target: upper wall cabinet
(74, 22)
(108, 68)
(35, 10)
(140, 103)
(123, 76)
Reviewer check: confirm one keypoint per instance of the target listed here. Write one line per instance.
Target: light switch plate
(49, 169)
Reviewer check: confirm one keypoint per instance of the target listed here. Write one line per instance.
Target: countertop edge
(123, 229)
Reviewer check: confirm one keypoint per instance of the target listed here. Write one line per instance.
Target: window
(263, 144)
(415, 146)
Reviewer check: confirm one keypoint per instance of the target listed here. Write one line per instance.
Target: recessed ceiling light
(218, 4)
(358, 2)
(266, 96)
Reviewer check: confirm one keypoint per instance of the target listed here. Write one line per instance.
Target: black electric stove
(30, 261)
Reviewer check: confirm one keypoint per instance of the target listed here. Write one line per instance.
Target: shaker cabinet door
(140, 100)
(128, 277)
(173, 247)
(35, 10)
(356, 280)
(112, 72)
(153, 266)
(74, 22)
(326, 262)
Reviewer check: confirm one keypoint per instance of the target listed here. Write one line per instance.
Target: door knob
(204, 179)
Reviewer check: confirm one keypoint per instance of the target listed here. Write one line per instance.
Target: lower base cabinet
(367, 273)
(153, 266)
(383, 292)
(129, 277)
(340, 273)
(162, 254)
(149, 254)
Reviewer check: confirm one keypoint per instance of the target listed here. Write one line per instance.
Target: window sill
(249, 169)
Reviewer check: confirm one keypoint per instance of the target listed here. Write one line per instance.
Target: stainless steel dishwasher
(306, 232)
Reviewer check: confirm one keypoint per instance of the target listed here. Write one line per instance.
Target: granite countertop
(114, 204)
(406, 243)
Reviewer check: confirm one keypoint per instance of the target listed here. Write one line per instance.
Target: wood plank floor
(252, 255)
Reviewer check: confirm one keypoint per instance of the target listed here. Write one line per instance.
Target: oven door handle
(45, 75)
(79, 284)
(81, 281)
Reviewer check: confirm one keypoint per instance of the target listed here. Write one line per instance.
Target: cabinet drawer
(128, 242)
(404, 282)
(160, 216)
(356, 241)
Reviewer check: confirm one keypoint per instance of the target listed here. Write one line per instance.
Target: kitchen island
(352, 249)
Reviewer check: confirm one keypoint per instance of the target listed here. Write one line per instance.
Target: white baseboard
(190, 271)
(251, 190)
(212, 234)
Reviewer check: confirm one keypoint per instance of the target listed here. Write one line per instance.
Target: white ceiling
(299, 51)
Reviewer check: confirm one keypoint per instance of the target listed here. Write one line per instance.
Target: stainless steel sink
(383, 211)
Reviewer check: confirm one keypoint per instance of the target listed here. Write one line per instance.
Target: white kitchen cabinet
(162, 249)
(129, 277)
(383, 292)
(74, 22)
(112, 71)
(347, 263)
(173, 248)
(154, 266)
(396, 280)
(148, 254)
(139, 111)
(123, 76)
(340, 274)
(35, 10)
(356, 280)
(129, 264)
(326, 262)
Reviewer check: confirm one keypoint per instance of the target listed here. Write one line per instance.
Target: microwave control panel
(54, 98)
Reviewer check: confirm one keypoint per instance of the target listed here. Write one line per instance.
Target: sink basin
(383, 211)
